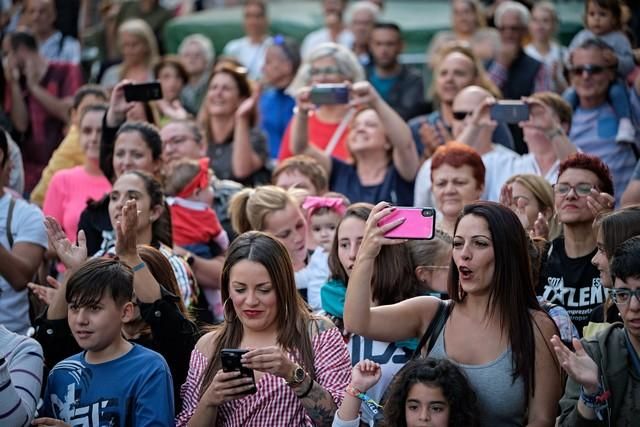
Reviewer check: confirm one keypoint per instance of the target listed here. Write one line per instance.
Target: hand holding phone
(231, 362)
(329, 94)
(420, 223)
(142, 92)
(510, 111)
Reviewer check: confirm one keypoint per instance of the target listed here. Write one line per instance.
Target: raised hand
(374, 238)
(365, 374)
(364, 95)
(600, 203)
(45, 294)
(126, 230)
(579, 365)
(72, 256)
(303, 99)
(273, 360)
(118, 105)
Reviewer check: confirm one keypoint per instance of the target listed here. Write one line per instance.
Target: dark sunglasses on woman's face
(461, 115)
(590, 69)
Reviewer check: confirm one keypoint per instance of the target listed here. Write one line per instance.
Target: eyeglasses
(590, 69)
(461, 115)
(623, 296)
(316, 71)
(582, 189)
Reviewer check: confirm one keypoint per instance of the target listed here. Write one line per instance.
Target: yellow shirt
(68, 154)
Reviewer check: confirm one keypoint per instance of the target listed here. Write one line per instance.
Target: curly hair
(441, 373)
(592, 164)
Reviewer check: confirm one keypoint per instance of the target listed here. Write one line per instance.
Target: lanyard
(635, 360)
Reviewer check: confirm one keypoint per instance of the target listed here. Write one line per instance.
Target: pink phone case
(420, 223)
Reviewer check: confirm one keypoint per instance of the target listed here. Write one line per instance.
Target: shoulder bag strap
(434, 329)
(340, 130)
(12, 204)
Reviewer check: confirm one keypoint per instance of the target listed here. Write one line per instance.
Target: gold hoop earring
(227, 319)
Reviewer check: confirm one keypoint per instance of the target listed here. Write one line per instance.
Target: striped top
(275, 403)
(20, 378)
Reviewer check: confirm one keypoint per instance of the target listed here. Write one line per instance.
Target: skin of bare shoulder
(205, 342)
(320, 324)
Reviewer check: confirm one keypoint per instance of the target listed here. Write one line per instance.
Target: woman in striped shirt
(300, 362)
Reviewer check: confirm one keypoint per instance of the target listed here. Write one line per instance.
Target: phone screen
(142, 92)
(420, 223)
(510, 112)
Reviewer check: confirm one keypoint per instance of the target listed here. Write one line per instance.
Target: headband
(313, 203)
(201, 180)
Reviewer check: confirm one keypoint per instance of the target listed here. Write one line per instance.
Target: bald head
(465, 102)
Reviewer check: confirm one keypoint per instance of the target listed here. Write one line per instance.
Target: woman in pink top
(70, 189)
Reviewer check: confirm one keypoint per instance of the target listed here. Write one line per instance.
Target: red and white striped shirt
(275, 403)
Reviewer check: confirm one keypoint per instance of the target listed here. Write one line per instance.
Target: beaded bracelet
(596, 401)
(374, 407)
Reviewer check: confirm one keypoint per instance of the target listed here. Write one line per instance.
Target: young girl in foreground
(425, 392)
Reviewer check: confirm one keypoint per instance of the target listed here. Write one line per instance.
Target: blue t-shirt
(277, 109)
(344, 179)
(382, 84)
(133, 390)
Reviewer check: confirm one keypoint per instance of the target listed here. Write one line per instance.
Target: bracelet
(553, 133)
(138, 267)
(307, 391)
(596, 401)
(373, 407)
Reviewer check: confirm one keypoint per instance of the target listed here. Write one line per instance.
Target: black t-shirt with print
(573, 283)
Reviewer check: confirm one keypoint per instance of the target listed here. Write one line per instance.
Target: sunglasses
(590, 69)
(461, 115)
(582, 189)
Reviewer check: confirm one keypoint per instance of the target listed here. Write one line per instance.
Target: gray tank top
(502, 402)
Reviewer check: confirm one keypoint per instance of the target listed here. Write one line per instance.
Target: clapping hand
(579, 365)
(72, 256)
(126, 230)
(600, 203)
(46, 294)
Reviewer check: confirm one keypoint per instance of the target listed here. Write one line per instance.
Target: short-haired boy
(112, 382)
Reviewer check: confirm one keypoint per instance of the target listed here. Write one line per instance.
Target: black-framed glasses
(590, 69)
(582, 189)
(461, 115)
(622, 296)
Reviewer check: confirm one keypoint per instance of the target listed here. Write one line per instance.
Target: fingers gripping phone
(230, 358)
(142, 92)
(329, 93)
(509, 111)
(420, 223)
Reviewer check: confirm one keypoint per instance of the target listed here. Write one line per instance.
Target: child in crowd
(113, 381)
(425, 392)
(323, 216)
(195, 224)
(604, 20)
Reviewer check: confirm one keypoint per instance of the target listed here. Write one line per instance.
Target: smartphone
(329, 93)
(420, 223)
(510, 112)
(142, 92)
(230, 358)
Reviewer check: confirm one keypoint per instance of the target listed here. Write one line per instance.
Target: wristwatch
(189, 258)
(297, 376)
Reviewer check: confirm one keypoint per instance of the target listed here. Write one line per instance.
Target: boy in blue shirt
(112, 382)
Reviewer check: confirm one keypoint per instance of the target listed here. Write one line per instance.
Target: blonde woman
(139, 50)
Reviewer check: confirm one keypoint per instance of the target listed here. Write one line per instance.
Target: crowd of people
(223, 253)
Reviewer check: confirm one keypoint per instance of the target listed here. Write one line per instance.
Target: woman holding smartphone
(496, 332)
(300, 362)
(385, 160)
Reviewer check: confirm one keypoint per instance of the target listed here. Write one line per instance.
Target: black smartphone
(230, 358)
(510, 112)
(329, 93)
(142, 92)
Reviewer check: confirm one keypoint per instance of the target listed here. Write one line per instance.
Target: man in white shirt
(251, 49)
(334, 29)
(41, 18)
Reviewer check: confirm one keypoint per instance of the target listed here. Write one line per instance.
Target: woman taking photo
(495, 331)
(172, 76)
(300, 362)
(385, 161)
(236, 147)
(324, 126)
(457, 176)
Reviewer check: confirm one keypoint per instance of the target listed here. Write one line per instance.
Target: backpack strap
(434, 329)
(12, 204)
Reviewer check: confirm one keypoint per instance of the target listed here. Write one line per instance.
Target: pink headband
(313, 203)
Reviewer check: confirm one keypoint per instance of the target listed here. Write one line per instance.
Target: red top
(320, 134)
(193, 226)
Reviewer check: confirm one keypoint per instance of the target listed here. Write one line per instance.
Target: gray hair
(512, 6)
(361, 6)
(346, 62)
(205, 44)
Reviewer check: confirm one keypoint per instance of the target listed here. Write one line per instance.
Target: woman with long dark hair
(495, 331)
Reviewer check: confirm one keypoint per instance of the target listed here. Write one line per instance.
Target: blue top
(277, 109)
(133, 390)
(382, 84)
(394, 189)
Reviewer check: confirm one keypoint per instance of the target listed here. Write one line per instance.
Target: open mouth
(465, 273)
